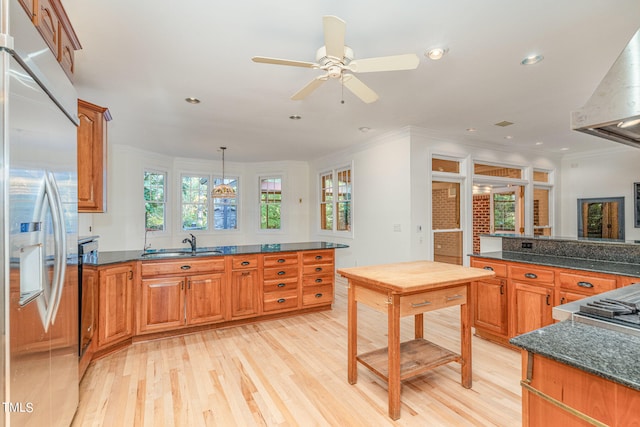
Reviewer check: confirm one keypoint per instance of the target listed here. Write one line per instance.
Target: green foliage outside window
(504, 212)
(270, 203)
(154, 200)
(195, 196)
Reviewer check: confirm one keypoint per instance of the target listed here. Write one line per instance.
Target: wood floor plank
(293, 371)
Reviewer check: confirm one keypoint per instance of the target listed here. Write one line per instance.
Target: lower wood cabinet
(176, 301)
(533, 307)
(490, 311)
(245, 286)
(559, 395)
(115, 304)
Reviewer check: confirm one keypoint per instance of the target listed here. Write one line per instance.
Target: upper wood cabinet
(92, 157)
(51, 20)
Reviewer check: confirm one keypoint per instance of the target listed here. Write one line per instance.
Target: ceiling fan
(336, 60)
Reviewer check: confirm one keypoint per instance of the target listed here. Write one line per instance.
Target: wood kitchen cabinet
(92, 157)
(115, 304)
(556, 394)
(490, 308)
(280, 286)
(245, 286)
(176, 294)
(317, 277)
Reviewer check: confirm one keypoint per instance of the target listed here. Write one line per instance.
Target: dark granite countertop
(619, 268)
(608, 354)
(113, 257)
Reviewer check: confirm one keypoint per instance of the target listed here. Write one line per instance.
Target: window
(225, 211)
(155, 200)
(270, 203)
(504, 211)
(335, 200)
(195, 197)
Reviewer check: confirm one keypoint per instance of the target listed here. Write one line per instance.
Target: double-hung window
(225, 210)
(336, 200)
(270, 202)
(155, 200)
(197, 204)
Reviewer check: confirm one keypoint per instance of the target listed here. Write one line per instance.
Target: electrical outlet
(527, 245)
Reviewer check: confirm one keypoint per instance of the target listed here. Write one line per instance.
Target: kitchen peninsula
(139, 296)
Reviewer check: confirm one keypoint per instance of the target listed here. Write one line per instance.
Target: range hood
(613, 111)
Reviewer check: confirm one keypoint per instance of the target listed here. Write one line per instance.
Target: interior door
(507, 210)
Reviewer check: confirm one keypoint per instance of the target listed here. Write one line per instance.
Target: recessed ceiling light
(539, 143)
(532, 59)
(436, 53)
(295, 117)
(192, 100)
(508, 137)
(364, 129)
(471, 129)
(564, 149)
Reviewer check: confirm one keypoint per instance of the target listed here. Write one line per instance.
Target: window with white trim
(336, 200)
(195, 201)
(225, 210)
(155, 200)
(270, 202)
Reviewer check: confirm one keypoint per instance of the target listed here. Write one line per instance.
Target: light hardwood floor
(293, 372)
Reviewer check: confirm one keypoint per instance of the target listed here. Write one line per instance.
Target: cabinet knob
(318, 280)
(486, 267)
(185, 267)
(530, 275)
(245, 263)
(318, 257)
(281, 300)
(318, 269)
(318, 295)
(282, 285)
(281, 260)
(280, 273)
(585, 285)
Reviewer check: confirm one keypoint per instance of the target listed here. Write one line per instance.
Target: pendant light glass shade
(223, 191)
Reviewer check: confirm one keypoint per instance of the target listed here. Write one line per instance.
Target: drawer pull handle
(318, 269)
(281, 260)
(501, 289)
(282, 285)
(585, 285)
(486, 267)
(453, 297)
(281, 300)
(185, 267)
(548, 296)
(280, 273)
(530, 275)
(420, 304)
(318, 295)
(318, 257)
(318, 280)
(246, 273)
(245, 263)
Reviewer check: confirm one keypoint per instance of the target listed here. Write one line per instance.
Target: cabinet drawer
(280, 300)
(496, 267)
(280, 285)
(313, 295)
(318, 269)
(281, 259)
(184, 266)
(432, 300)
(531, 274)
(287, 272)
(317, 257)
(245, 261)
(585, 283)
(317, 279)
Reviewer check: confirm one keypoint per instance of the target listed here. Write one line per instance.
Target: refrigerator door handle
(60, 243)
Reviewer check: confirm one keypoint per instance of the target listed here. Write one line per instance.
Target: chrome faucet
(192, 242)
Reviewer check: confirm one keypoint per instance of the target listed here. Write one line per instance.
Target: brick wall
(481, 218)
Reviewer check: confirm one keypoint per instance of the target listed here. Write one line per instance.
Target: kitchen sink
(208, 252)
(166, 254)
(174, 253)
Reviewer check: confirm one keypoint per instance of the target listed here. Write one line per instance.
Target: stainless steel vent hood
(613, 111)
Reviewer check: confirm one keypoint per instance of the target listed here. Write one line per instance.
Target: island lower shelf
(416, 357)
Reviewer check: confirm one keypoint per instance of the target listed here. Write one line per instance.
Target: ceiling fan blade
(310, 87)
(334, 31)
(276, 61)
(408, 61)
(359, 89)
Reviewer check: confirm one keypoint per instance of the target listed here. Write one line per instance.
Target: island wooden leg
(419, 326)
(394, 357)
(352, 333)
(465, 342)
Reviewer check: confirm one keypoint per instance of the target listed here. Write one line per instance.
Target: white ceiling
(142, 58)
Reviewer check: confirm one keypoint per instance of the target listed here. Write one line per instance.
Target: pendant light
(223, 191)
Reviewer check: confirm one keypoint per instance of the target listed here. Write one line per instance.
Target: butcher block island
(404, 289)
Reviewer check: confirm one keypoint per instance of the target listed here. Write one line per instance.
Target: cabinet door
(92, 143)
(115, 322)
(490, 305)
(205, 296)
(533, 307)
(88, 310)
(567, 297)
(161, 304)
(245, 293)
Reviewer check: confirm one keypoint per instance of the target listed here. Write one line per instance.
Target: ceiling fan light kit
(337, 61)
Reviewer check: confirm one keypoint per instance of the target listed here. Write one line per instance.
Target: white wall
(606, 173)
(122, 226)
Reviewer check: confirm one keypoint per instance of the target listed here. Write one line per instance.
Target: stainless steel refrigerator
(38, 194)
